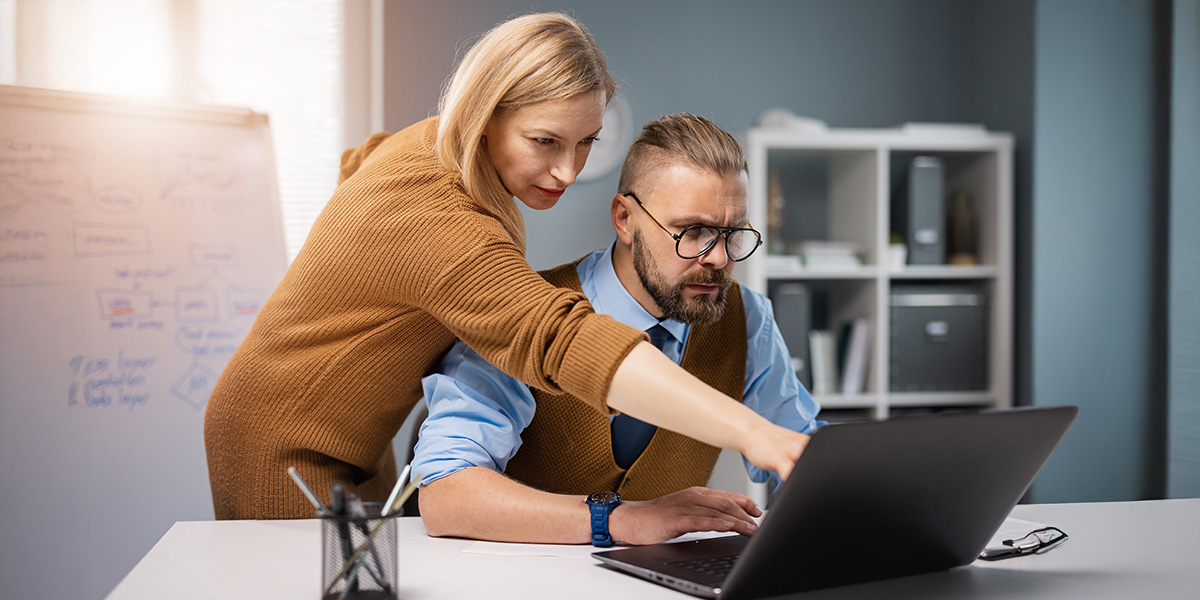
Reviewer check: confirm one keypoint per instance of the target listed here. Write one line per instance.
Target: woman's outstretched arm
(651, 387)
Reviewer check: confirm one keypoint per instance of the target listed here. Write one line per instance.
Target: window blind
(280, 57)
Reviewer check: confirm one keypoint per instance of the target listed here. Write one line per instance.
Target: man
(488, 469)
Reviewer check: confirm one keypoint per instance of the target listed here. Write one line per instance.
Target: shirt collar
(609, 296)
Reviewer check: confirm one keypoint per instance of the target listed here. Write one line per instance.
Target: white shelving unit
(858, 167)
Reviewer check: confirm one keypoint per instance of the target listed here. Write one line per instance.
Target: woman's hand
(774, 448)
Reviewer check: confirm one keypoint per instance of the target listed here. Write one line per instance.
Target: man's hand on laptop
(774, 448)
(686, 511)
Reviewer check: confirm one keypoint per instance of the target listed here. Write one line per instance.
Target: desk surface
(1121, 550)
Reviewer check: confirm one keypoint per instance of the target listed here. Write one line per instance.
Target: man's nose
(716, 257)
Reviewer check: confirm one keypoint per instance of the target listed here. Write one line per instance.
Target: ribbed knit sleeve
(548, 337)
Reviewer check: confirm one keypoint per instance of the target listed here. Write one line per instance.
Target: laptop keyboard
(716, 566)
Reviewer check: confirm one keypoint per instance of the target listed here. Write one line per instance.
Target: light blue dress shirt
(477, 412)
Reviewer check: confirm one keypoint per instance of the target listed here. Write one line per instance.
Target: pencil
(389, 507)
(308, 493)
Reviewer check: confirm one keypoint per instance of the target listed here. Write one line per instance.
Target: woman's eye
(544, 141)
(589, 141)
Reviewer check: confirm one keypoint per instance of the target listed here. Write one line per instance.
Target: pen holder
(359, 555)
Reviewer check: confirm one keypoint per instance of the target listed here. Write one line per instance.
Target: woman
(422, 243)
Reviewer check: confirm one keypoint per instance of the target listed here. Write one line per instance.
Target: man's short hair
(681, 138)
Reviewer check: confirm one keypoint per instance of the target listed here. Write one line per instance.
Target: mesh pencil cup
(359, 555)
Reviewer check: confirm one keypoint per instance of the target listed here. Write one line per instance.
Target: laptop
(870, 501)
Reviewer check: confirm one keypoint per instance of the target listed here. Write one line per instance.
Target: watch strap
(599, 516)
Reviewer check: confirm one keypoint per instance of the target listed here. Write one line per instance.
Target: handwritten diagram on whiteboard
(153, 240)
(136, 247)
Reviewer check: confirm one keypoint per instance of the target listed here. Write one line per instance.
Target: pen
(359, 513)
(388, 507)
(337, 501)
(308, 493)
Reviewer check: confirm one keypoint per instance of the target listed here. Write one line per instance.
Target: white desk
(1116, 550)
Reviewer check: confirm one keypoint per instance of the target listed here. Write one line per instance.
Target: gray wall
(859, 63)
(1077, 84)
(1095, 250)
(1183, 467)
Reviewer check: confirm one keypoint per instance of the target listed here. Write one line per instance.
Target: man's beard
(702, 309)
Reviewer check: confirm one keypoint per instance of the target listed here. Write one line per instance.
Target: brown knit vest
(567, 449)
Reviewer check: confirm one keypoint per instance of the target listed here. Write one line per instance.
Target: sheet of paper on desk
(1013, 529)
(560, 550)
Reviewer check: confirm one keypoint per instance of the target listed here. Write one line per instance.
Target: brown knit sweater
(400, 263)
(567, 448)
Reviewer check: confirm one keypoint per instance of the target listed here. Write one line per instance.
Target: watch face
(604, 498)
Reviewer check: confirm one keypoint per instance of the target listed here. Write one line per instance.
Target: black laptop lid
(869, 501)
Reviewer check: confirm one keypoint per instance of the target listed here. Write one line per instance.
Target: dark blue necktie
(629, 435)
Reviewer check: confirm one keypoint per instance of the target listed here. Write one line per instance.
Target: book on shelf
(970, 129)
(827, 247)
(784, 262)
(792, 302)
(832, 262)
(853, 356)
(823, 362)
(819, 254)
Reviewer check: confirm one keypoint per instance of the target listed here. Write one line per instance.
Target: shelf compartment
(976, 172)
(827, 195)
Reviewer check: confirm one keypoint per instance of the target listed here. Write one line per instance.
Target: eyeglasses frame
(1038, 544)
(724, 232)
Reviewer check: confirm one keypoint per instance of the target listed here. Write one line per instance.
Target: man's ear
(620, 219)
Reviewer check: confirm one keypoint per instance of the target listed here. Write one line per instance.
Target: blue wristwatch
(600, 504)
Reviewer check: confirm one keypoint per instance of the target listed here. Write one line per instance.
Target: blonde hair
(681, 138)
(532, 58)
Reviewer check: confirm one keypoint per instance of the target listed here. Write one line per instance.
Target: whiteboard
(137, 242)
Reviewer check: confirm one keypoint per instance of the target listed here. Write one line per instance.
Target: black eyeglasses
(697, 240)
(1036, 541)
